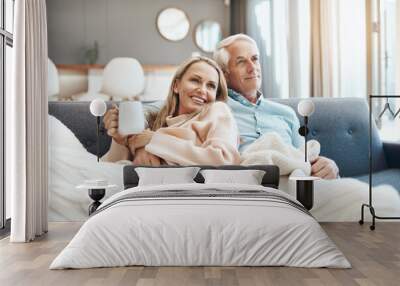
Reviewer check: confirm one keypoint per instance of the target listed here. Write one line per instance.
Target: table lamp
(305, 108)
(97, 108)
(305, 185)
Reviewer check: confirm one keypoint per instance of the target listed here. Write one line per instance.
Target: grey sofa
(339, 124)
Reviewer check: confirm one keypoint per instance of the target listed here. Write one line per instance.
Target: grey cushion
(386, 177)
(392, 154)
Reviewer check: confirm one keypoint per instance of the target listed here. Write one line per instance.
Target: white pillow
(60, 136)
(247, 177)
(166, 176)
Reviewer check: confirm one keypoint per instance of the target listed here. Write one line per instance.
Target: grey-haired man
(238, 56)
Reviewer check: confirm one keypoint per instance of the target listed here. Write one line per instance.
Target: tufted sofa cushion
(341, 126)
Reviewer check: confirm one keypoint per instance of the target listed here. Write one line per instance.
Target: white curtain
(310, 47)
(398, 48)
(282, 32)
(26, 129)
(339, 66)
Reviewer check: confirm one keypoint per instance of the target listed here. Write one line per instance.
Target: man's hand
(324, 168)
(111, 124)
(142, 157)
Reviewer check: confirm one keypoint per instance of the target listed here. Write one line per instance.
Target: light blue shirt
(255, 120)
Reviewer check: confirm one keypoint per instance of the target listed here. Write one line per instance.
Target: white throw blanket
(69, 166)
(334, 200)
(270, 149)
(341, 199)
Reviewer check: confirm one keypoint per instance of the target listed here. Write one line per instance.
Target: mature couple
(210, 106)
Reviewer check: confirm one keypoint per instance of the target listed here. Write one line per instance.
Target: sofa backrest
(339, 124)
(77, 117)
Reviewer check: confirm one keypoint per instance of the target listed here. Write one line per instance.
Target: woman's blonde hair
(158, 119)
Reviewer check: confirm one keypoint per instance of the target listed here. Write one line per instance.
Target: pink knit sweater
(209, 137)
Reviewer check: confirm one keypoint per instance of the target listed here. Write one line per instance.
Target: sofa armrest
(392, 154)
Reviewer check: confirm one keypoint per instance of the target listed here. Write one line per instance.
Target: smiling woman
(197, 87)
(191, 128)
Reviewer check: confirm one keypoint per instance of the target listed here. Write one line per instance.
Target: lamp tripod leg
(305, 138)
(361, 221)
(372, 211)
(98, 134)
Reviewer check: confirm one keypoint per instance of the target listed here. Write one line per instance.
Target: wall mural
(133, 68)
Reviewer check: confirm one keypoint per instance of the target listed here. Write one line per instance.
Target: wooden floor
(374, 255)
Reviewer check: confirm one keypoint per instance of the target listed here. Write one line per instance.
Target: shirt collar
(240, 98)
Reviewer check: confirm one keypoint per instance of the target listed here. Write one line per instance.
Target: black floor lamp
(97, 108)
(305, 108)
(305, 185)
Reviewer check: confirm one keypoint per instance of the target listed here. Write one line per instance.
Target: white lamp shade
(53, 84)
(123, 77)
(306, 107)
(98, 107)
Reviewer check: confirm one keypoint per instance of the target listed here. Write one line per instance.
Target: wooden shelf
(86, 67)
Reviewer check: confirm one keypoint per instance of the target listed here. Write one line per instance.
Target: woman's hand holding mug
(110, 120)
(126, 120)
(140, 140)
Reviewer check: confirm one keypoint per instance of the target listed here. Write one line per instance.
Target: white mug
(130, 118)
